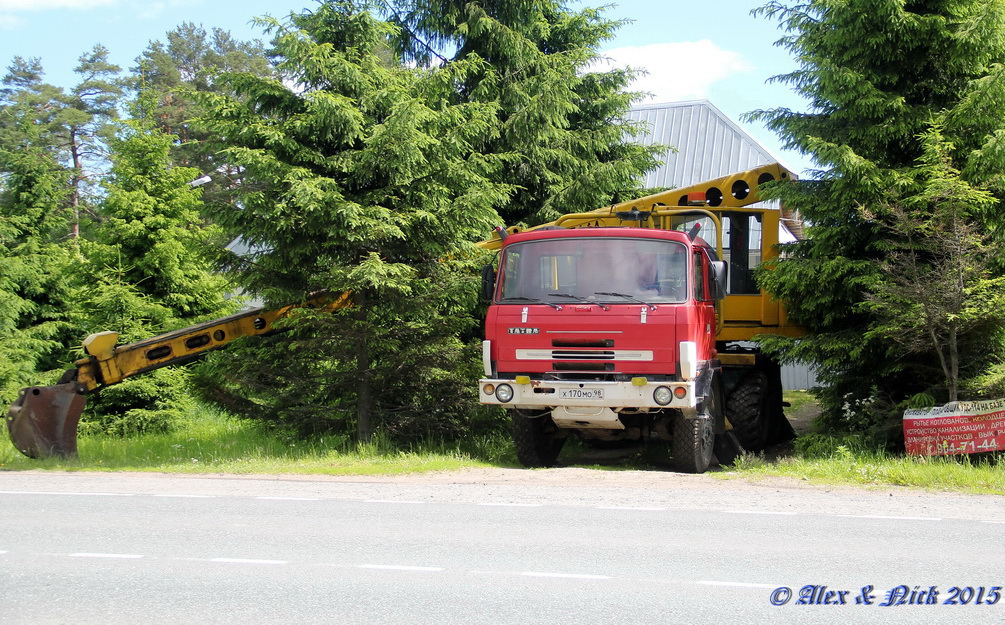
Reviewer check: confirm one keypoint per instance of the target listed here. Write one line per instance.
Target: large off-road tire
(694, 439)
(747, 412)
(536, 438)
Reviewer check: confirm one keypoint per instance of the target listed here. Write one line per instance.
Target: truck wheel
(692, 443)
(745, 410)
(536, 439)
(694, 439)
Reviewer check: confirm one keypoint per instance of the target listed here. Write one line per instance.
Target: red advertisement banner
(965, 427)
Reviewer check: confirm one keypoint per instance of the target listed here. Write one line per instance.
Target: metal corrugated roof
(708, 143)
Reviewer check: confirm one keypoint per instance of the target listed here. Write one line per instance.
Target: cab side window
(700, 277)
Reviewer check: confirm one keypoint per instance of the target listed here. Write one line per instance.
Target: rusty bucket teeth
(43, 421)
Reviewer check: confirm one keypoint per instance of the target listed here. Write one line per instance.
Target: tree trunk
(364, 390)
(75, 183)
(954, 363)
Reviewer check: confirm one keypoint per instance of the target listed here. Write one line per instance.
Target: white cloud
(42, 5)
(146, 10)
(676, 71)
(9, 22)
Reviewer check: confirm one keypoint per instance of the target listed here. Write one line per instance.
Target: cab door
(704, 304)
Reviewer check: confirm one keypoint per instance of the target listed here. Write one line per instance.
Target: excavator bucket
(43, 420)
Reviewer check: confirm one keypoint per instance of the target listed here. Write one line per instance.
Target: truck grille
(621, 355)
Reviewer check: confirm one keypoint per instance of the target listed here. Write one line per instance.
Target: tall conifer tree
(361, 175)
(878, 75)
(567, 124)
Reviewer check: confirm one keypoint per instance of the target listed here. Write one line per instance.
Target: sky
(711, 49)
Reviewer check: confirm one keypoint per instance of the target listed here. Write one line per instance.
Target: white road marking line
(186, 496)
(511, 505)
(127, 556)
(738, 584)
(290, 498)
(992, 521)
(563, 575)
(398, 567)
(3, 552)
(762, 512)
(639, 508)
(894, 518)
(393, 501)
(247, 561)
(43, 492)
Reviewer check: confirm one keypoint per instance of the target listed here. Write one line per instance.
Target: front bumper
(618, 396)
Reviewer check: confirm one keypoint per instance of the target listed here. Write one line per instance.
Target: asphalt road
(559, 546)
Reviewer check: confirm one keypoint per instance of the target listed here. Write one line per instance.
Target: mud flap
(43, 420)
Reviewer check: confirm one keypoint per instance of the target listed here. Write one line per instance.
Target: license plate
(581, 393)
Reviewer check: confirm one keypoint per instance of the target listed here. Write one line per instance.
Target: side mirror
(488, 282)
(719, 276)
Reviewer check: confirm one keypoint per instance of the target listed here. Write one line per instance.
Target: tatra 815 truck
(635, 322)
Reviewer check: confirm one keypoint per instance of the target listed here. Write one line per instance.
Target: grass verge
(873, 468)
(849, 461)
(212, 442)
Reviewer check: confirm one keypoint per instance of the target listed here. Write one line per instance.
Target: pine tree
(877, 75)
(173, 71)
(84, 122)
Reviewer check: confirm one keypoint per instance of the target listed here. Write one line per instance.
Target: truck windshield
(595, 269)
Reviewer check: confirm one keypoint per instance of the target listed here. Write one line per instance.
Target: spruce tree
(35, 257)
(35, 308)
(149, 269)
(364, 176)
(153, 234)
(878, 76)
(567, 124)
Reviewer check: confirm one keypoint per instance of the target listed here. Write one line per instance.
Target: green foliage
(148, 270)
(153, 403)
(133, 254)
(153, 235)
(34, 320)
(828, 446)
(363, 178)
(879, 76)
(34, 262)
(172, 72)
(940, 295)
(530, 60)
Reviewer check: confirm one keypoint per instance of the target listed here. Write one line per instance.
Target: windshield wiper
(579, 298)
(531, 299)
(628, 297)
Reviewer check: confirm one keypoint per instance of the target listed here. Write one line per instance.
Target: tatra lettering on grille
(634, 355)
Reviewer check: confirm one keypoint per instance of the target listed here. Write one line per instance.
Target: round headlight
(504, 393)
(662, 395)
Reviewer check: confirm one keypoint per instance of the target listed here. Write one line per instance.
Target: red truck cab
(609, 333)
